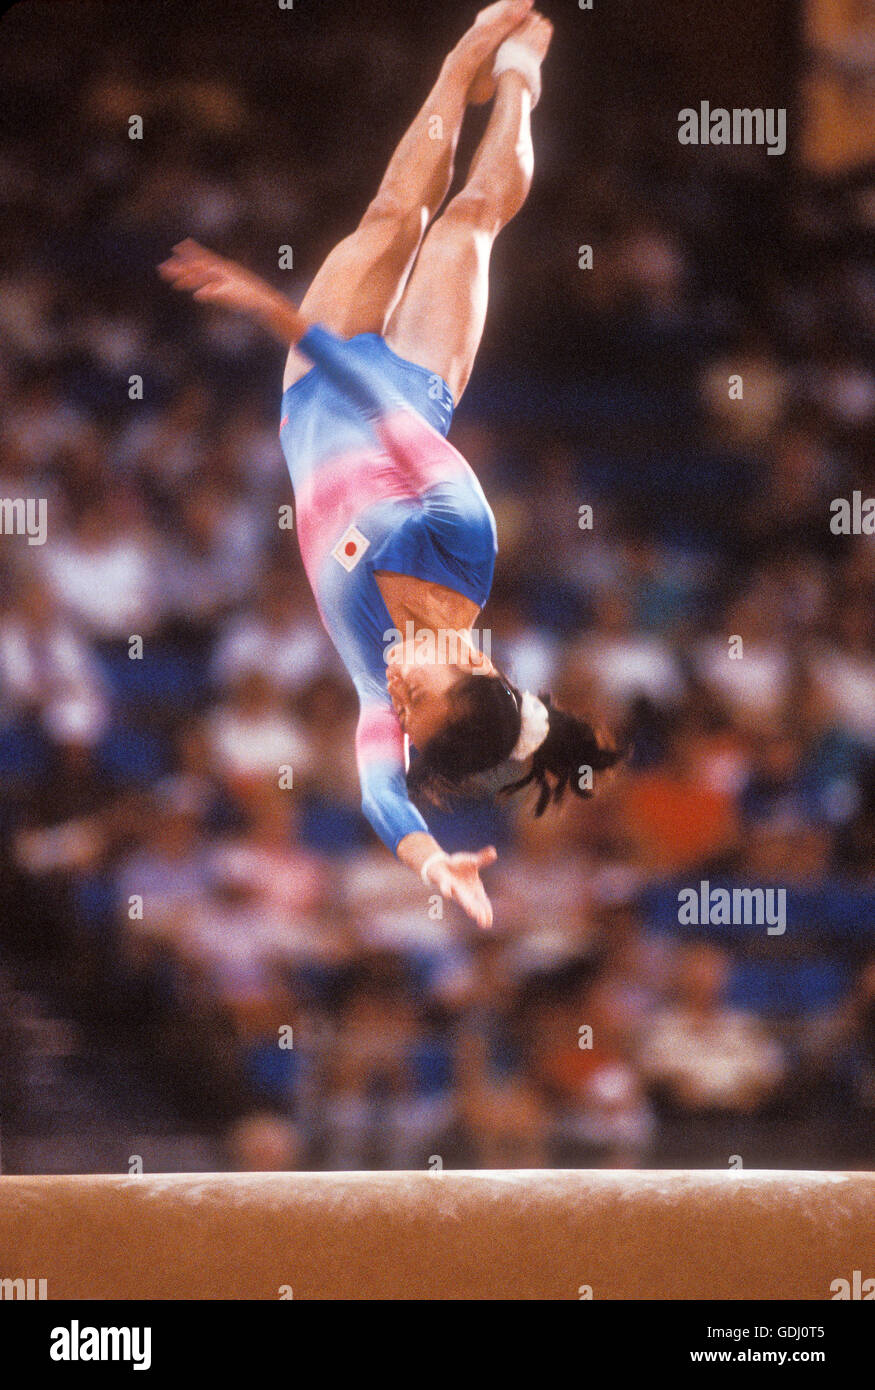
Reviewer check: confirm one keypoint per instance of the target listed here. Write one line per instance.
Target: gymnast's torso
(379, 489)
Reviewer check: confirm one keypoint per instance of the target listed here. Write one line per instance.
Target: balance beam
(455, 1235)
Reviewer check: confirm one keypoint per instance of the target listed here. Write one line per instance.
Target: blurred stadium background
(263, 909)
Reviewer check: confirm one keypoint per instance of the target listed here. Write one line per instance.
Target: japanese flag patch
(350, 548)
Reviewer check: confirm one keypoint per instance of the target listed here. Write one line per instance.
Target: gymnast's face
(422, 691)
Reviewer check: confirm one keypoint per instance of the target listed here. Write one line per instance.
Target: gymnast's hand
(212, 279)
(457, 878)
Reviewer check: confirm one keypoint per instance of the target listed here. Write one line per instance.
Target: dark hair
(479, 739)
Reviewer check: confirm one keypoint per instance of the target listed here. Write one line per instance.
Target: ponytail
(571, 747)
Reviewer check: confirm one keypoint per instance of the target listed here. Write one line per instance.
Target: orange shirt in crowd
(677, 823)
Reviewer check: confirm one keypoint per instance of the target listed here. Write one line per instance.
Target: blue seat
(789, 988)
(23, 752)
(130, 755)
(95, 901)
(468, 824)
(432, 1067)
(272, 1070)
(328, 827)
(165, 674)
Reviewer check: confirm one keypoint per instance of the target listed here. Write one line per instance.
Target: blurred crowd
(183, 862)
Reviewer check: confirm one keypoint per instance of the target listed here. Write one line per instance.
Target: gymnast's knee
(478, 208)
(392, 215)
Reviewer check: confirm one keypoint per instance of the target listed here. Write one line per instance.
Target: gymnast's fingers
(189, 249)
(194, 279)
(473, 900)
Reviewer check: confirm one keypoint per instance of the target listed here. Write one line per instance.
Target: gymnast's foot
(524, 52)
(475, 51)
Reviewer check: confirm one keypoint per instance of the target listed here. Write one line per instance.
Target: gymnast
(393, 525)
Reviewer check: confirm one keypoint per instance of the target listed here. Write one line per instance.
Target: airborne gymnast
(393, 525)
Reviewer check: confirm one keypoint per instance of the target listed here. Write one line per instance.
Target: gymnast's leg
(362, 279)
(439, 321)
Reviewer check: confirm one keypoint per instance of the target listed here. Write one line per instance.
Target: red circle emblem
(349, 548)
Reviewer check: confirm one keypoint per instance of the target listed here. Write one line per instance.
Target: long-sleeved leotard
(379, 488)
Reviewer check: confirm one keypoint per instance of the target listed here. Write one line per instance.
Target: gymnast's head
(474, 731)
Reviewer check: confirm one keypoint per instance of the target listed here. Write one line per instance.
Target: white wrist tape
(432, 858)
(534, 727)
(513, 56)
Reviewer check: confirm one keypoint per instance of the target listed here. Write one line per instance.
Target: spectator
(703, 1055)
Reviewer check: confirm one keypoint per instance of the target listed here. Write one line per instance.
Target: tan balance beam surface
(498, 1235)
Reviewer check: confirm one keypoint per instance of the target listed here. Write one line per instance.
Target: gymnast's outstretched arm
(386, 804)
(214, 280)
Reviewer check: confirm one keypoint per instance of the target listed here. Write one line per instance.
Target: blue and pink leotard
(378, 487)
